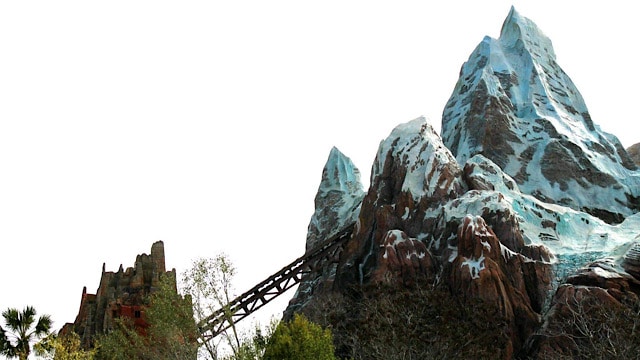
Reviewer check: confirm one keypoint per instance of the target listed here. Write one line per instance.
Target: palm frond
(43, 326)
(28, 318)
(12, 319)
(4, 342)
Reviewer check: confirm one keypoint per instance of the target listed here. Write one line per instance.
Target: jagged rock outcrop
(338, 200)
(484, 269)
(337, 206)
(404, 259)
(516, 106)
(410, 230)
(634, 153)
(413, 174)
(590, 314)
(120, 294)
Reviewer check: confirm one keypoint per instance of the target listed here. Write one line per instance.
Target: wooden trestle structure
(275, 285)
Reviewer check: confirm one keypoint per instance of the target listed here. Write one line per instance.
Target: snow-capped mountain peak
(338, 199)
(516, 106)
(517, 27)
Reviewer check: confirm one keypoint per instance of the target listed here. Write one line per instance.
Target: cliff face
(120, 294)
(634, 152)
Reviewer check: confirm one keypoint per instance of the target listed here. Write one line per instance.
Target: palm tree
(16, 342)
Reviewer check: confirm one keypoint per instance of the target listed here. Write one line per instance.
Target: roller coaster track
(275, 285)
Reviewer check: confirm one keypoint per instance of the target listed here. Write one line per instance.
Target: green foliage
(65, 347)
(252, 345)
(172, 328)
(22, 327)
(122, 343)
(300, 339)
(209, 283)
(171, 334)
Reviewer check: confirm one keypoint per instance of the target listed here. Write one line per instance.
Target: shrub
(300, 339)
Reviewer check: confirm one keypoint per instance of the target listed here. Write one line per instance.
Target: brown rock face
(410, 230)
(120, 294)
(413, 174)
(591, 313)
(402, 260)
(485, 269)
(634, 153)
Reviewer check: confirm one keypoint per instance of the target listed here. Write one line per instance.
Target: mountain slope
(516, 106)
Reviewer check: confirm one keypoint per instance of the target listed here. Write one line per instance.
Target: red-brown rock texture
(402, 260)
(120, 294)
(485, 269)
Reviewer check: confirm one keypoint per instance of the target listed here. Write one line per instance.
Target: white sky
(206, 124)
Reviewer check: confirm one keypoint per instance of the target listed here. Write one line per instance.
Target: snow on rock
(522, 222)
(402, 259)
(413, 173)
(516, 106)
(338, 200)
(429, 169)
(631, 262)
(517, 285)
(337, 205)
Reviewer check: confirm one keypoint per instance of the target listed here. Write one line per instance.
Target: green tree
(22, 330)
(122, 343)
(171, 334)
(65, 347)
(300, 339)
(172, 329)
(254, 343)
(209, 283)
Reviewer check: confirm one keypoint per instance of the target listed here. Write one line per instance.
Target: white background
(206, 124)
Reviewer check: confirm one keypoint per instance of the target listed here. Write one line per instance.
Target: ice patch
(405, 216)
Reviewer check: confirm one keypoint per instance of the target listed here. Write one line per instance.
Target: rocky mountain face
(634, 152)
(337, 206)
(523, 203)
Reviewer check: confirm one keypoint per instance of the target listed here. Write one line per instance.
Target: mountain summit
(516, 106)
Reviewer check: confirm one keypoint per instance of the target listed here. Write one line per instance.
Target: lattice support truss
(275, 285)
